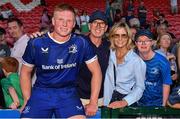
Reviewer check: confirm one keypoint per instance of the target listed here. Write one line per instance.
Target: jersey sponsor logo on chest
(58, 67)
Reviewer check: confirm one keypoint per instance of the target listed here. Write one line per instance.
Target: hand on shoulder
(36, 34)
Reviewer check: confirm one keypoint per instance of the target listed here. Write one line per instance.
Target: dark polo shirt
(84, 77)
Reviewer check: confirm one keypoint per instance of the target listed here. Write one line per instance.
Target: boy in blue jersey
(158, 78)
(57, 57)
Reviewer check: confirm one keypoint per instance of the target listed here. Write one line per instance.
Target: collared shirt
(130, 76)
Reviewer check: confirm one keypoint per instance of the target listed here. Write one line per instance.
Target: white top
(18, 50)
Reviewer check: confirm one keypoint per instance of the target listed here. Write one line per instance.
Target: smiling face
(98, 28)
(64, 22)
(165, 41)
(15, 30)
(120, 38)
(144, 44)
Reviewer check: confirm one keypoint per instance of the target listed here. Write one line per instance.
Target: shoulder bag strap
(114, 75)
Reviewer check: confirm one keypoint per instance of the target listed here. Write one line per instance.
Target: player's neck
(59, 38)
(147, 56)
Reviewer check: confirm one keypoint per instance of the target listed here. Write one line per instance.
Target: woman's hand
(174, 77)
(171, 56)
(118, 104)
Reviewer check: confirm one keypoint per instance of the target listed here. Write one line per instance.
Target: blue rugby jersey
(57, 64)
(157, 74)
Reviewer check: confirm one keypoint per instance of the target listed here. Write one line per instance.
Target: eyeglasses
(143, 42)
(123, 36)
(101, 24)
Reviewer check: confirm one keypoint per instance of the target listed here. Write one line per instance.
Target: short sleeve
(29, 54)
(89, 53)
(166, 73)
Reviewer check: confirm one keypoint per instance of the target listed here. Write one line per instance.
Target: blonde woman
(125, 75)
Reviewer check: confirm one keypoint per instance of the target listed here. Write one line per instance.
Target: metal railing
(134, 112)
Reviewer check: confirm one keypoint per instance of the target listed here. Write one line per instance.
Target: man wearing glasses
(98, 26)
(158, 78)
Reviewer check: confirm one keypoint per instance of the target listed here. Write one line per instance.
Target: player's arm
(96, 81)
(166, 90)
(25, 82)
(167, 81)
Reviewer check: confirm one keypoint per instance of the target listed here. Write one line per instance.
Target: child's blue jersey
(157, 74)
(56, 63)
